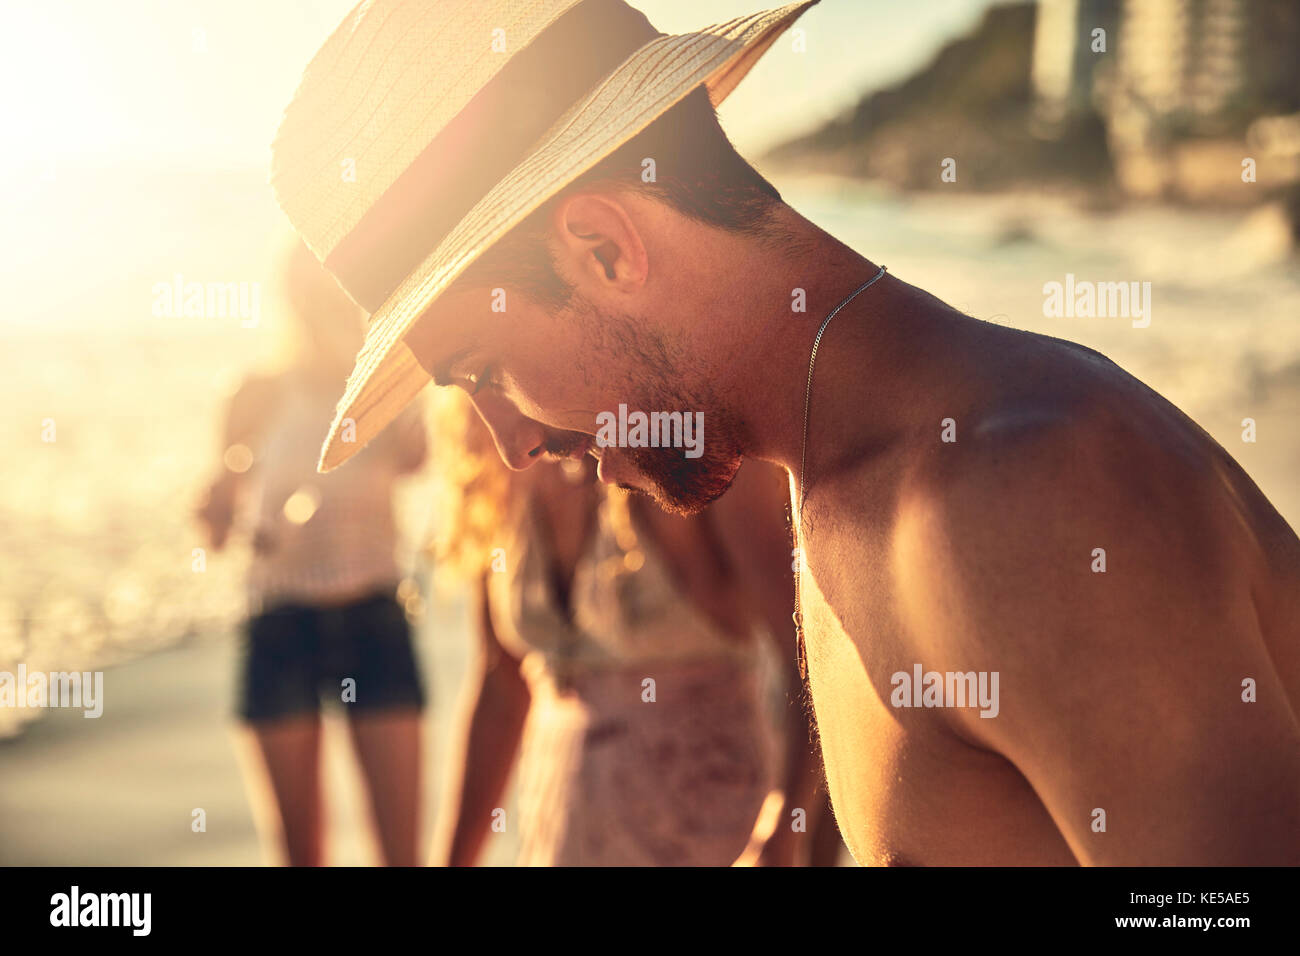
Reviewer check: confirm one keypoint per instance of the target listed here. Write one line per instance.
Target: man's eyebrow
(442, 371)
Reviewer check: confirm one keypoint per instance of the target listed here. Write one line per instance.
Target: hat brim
(647, 84)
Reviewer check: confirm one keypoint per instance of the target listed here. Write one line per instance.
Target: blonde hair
(473, 489)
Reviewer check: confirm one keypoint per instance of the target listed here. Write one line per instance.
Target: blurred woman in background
(324, 621)
(619, 658)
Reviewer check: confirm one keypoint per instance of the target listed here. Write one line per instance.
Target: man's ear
(599, 246)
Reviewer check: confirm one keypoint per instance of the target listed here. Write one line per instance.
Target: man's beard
(681, 485)
(658, 380)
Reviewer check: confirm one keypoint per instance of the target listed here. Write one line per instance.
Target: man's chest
(906, 788)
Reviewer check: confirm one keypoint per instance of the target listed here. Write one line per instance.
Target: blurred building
(1178, 85)
(1064, 70)
(1183, 60)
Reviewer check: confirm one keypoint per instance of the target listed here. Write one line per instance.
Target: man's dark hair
(697, 172)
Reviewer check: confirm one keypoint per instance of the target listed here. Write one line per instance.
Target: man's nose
(520, 441)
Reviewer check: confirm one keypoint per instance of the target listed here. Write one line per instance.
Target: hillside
(972, 103)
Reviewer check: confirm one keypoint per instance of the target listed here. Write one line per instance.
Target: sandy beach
(121, 789)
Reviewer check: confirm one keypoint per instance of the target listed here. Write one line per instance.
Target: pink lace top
(646, 742)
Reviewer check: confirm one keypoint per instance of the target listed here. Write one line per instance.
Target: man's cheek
(555, 405)
(531, 402)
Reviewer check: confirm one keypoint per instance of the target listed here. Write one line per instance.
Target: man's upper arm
(1120, 690)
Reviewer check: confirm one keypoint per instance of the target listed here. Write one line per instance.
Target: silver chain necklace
(800, 656)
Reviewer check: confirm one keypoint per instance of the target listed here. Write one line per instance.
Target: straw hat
(423, 132)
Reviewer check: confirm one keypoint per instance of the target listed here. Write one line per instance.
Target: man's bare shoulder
(1039, 465)
(1053, 436)
(1022, 506)
(1033, 479)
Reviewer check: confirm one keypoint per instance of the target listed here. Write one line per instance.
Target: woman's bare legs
(290, 751)
(388, 748)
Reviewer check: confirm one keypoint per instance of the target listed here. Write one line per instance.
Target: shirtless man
(1121, 735)
(1144, 714)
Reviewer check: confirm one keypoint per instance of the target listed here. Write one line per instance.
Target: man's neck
(768, 379)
